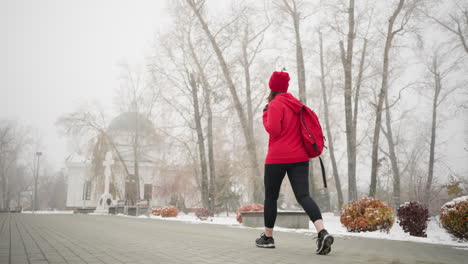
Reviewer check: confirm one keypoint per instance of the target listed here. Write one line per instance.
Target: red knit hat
(279, 82)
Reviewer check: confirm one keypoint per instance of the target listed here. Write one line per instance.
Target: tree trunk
(8, 198)
(251, 148)
(382, 94)
(300, 60)
(201, 143)
(136, 155)
(3, 191)
(347, 61)
(207, 95)
(211, 162)
(257, 194)
(326, 197)
(301, 79)
(331, 148)
(246, 66)
(6, 192)
(392, 156)
(18, 200)
(109, 140)
(430, 173)
(358, 87)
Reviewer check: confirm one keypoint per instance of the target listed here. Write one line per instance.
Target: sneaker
(265, 242)
(324, 242)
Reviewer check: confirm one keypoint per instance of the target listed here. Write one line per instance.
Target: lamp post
(38, 154)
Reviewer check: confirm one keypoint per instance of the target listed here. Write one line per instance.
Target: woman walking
(286, 154)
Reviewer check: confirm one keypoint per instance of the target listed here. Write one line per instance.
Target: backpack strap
(303, 122)
(323, 173)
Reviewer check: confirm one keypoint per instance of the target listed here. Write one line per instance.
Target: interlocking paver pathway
(29, 238)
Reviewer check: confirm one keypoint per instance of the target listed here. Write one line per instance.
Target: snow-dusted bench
(287, 219)
(84, 210)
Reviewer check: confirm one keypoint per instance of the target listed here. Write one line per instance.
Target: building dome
(129, 121)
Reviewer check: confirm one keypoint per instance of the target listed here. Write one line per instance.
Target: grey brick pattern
(28, 238)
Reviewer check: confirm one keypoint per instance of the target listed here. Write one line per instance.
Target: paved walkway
(26, 238)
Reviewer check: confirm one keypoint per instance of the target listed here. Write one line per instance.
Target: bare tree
(196, 7)
(347, 61)
(251, 43)
(353, 83)
(52, 190)
(330, 141)
(439, 67)
(212, 194)
(392, 153)
(414, 176)
(185, 72)
(137, 99)
(93, 124)
(294, 9)
(391, 33)
(455, 22)
(21, 181)
(201, 141)
(13, 142)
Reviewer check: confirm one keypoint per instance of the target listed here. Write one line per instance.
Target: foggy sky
(60, 54)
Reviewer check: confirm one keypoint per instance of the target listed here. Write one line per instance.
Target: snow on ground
(98, 214)
(48, 212)
(455, 201)
(222, 219)
(435, 233)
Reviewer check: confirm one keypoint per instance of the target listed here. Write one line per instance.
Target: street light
(38, 154)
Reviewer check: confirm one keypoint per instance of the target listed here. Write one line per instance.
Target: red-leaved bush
(156, 210)
(248, 208)
(454, 217)
(413, 218)
(367, 214)
(203, 214)
(169, 211)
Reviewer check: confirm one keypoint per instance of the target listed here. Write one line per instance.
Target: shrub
(248, 208)
(169, 211)
(367, 214)
(413, 218)
(203, 214)
(156, 210)
(454, 217)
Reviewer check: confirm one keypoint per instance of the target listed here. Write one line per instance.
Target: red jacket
(281, 121)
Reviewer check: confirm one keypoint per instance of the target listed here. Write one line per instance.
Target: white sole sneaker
(326, 245)
(266, 246)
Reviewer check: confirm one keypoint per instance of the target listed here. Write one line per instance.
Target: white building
(128, 136)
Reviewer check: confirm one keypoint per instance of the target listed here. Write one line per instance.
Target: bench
(286, 219)
(135, 210)
(84, 210)
(114, 210)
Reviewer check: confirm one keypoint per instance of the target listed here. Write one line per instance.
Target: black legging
(298, 176)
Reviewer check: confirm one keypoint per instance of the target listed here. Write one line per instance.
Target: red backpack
(312, 136)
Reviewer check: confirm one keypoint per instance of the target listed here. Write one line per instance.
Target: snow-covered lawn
(222, 219)
(48, 212)
(435, 233)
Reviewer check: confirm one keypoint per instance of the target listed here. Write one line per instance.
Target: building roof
(76, 158)
(129, 121)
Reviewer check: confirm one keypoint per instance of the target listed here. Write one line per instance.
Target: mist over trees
(385, 77)
(19, 145)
